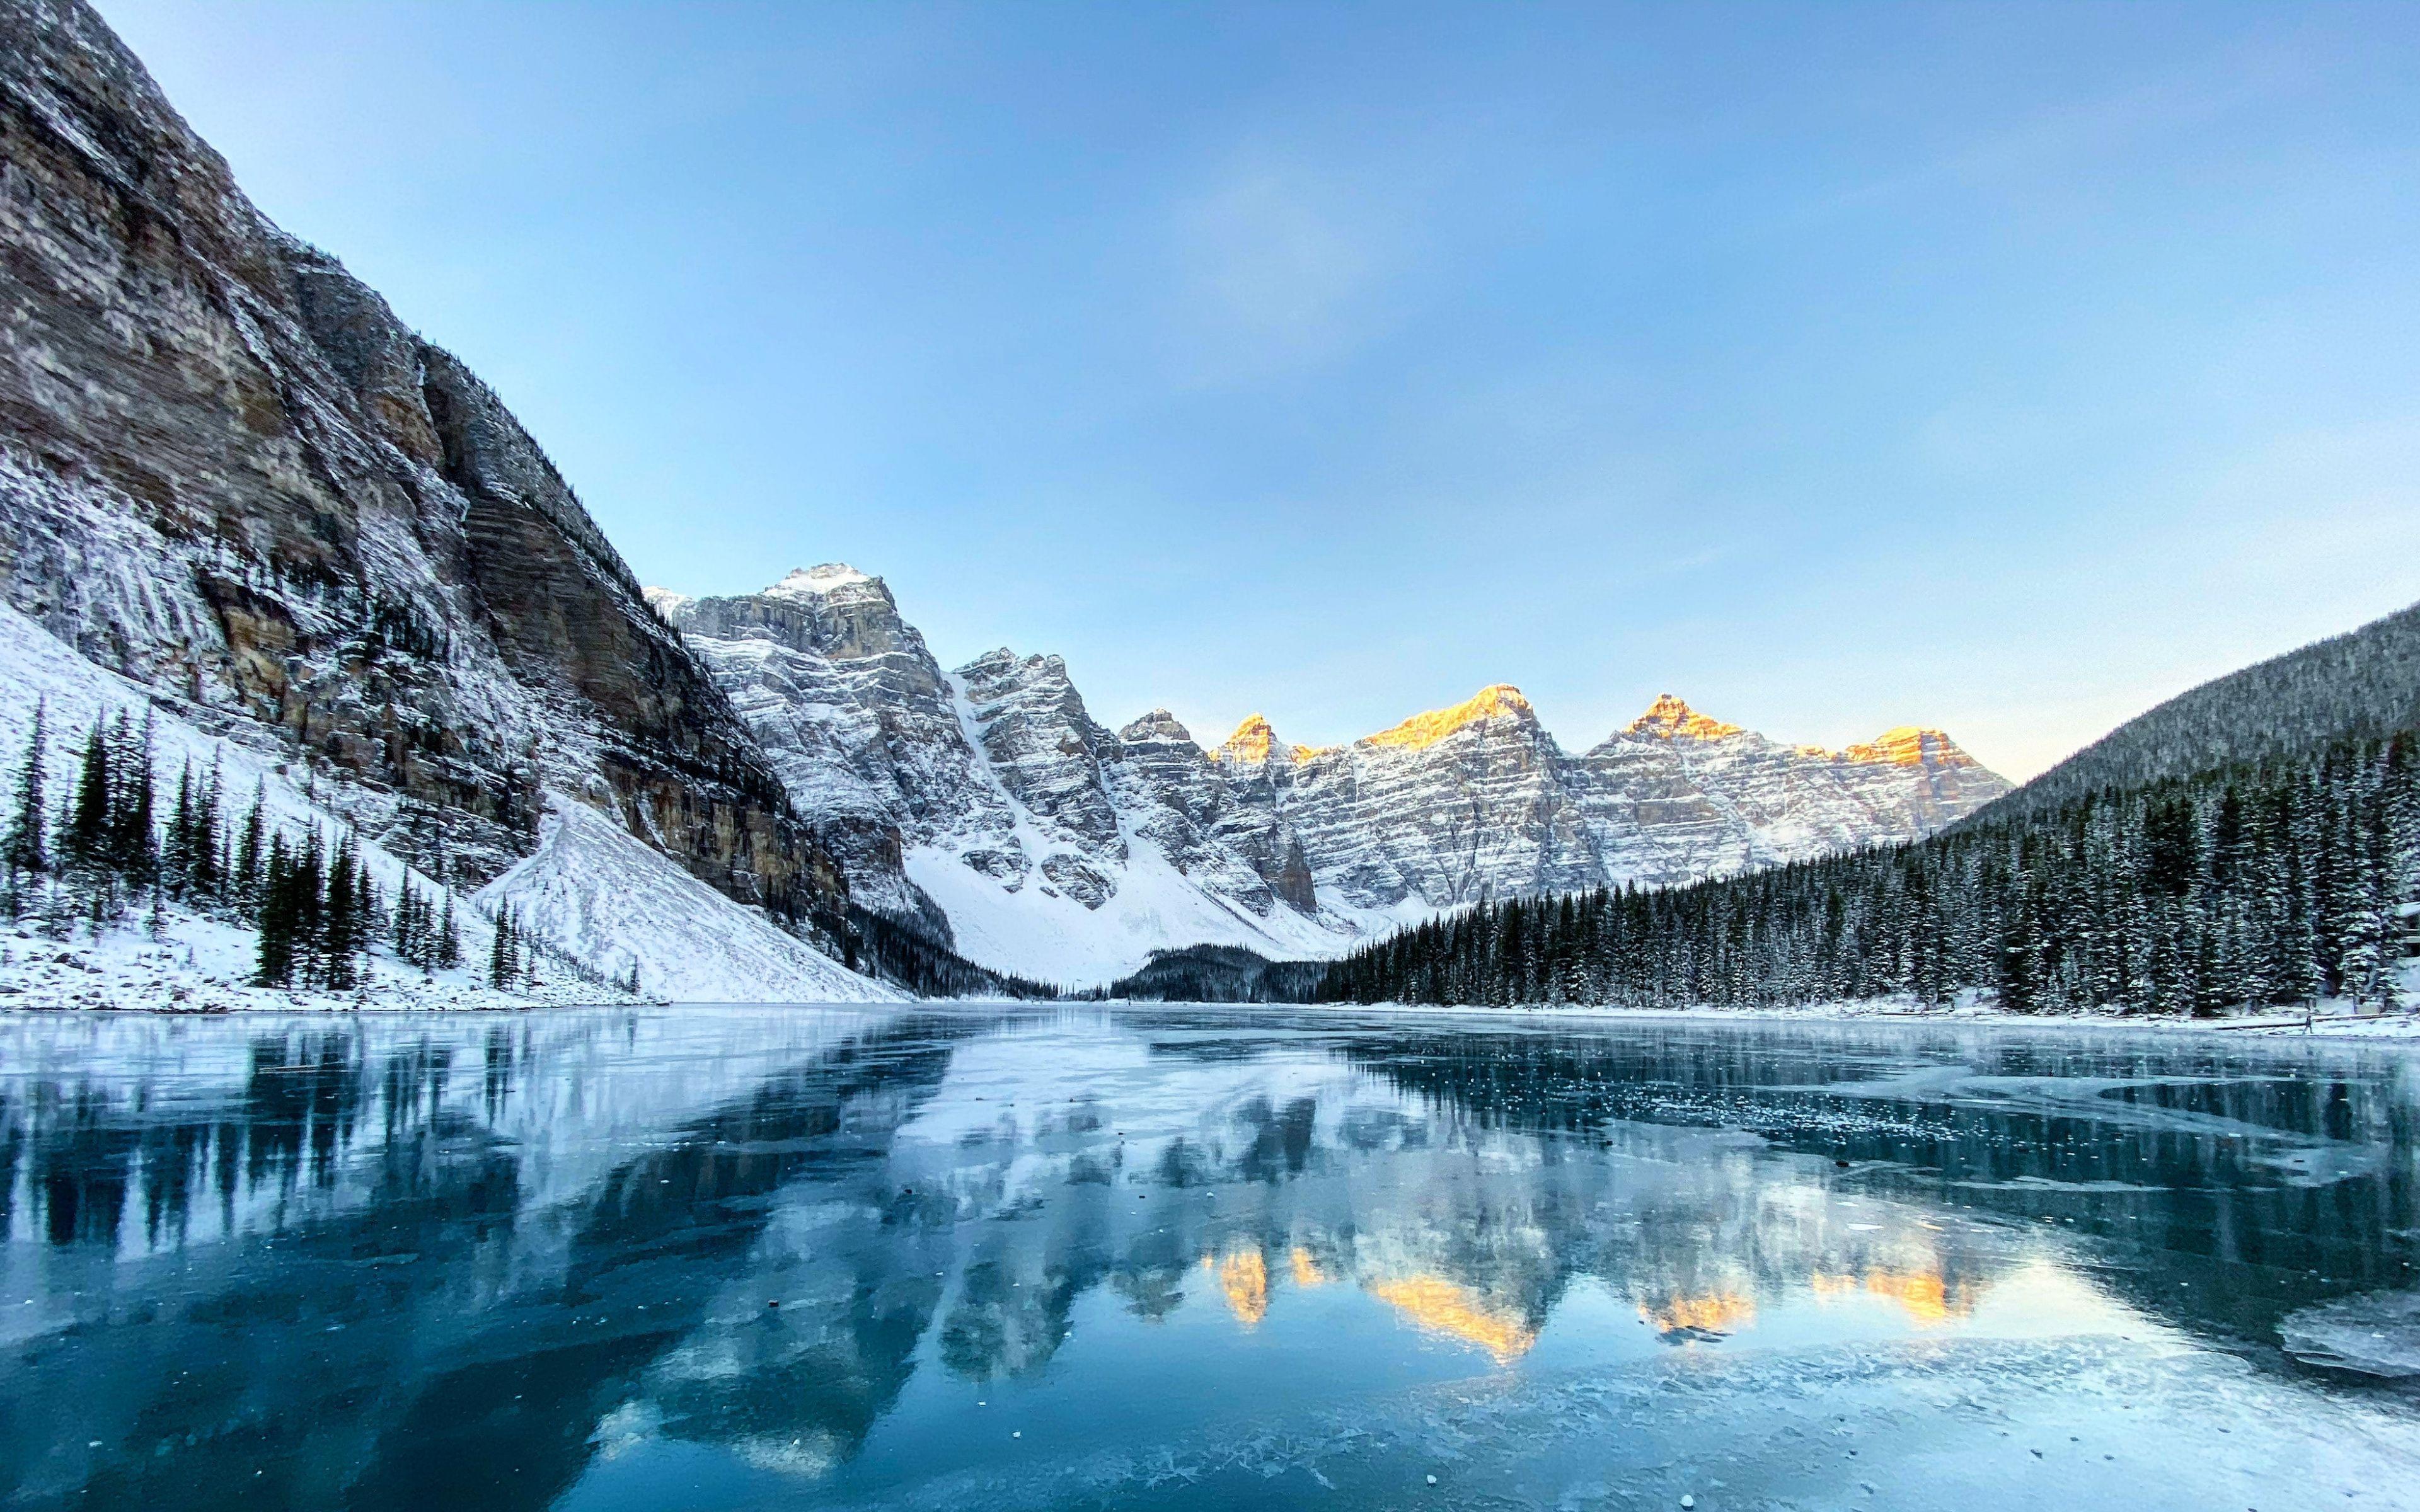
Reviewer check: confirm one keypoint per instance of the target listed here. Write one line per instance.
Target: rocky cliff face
(994, 807)
(1444, 808)
(1060, 849)
(227, 470)
(1477, 800)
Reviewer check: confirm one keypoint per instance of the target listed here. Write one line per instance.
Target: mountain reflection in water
(729, 1257)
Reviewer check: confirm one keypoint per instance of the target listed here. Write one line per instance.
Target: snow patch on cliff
(595, 891)
(1036, 932)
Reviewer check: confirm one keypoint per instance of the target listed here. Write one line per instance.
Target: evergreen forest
(2273, 881)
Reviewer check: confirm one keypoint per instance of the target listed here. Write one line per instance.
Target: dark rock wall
(228, 471)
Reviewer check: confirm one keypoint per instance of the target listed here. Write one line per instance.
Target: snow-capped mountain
(234, 482)
(231, 475)
(988, 802)
(1057, 848)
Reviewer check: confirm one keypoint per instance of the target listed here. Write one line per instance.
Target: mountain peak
(1158, 726)
(1670, 715)
(1495, 701)
(1909, 746)
(803, 581)
(1254, 742)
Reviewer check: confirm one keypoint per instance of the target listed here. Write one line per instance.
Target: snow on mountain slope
(591, 888)
(1051, 847)
(1049, 935)
(199, 961)
(230, 471)
(1059, 848)
(597, 892)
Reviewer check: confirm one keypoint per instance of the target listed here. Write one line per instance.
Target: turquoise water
(1193, 1258)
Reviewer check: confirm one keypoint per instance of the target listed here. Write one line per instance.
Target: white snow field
(596, 890)
(1050, 937)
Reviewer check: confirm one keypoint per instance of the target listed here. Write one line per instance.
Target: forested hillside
(1219, 974)
(2270, 882)
(2364, 683)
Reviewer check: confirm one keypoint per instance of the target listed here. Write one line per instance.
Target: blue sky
(2005, 369)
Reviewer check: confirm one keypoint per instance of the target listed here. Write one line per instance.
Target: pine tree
(25, 850)
(248, 882)
(84, 839)
(307, 876)
(132, 848)
(340, 920)
(503, 963)
(176, 848)
(409, 934)
(277, 917)
(206, 859)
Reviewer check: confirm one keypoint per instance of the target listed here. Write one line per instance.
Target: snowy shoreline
(197, 969)
(2333, 1021)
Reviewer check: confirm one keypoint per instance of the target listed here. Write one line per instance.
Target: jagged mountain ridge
(230, 473)
(1059, 848)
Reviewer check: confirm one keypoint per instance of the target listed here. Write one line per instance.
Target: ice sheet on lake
(2377, 1333)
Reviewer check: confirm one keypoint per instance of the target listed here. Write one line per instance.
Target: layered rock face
(227, 470)
(1444, 808)
(1058, 842)
(1059, 848)
(1477, 800)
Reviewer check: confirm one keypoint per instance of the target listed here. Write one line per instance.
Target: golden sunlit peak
(1909, 746)
(1495, 701)
(1254, 742)
(1668, 716)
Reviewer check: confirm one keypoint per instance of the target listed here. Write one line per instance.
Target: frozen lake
(1086, 1257)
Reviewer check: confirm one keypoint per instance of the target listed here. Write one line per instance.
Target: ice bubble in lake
(2377, 1333)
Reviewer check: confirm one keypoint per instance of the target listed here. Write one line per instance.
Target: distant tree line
(2273, 882)
(1218, 974)
(882, 947)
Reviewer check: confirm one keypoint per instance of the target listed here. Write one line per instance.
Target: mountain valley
(989, 799)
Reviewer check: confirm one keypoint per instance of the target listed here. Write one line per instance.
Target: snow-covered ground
(1050, 937)
(590, 890)
(595, 890)
(2329, 1018)
(204, 965)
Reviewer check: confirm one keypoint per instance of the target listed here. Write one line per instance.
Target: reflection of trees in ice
(380, 1259)
(334, 1264)
(1247, 1180)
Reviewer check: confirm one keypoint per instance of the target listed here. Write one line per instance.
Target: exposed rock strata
(227, 470)
(999, 772)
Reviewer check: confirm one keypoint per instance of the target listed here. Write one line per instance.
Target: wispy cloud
(1274, 270)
